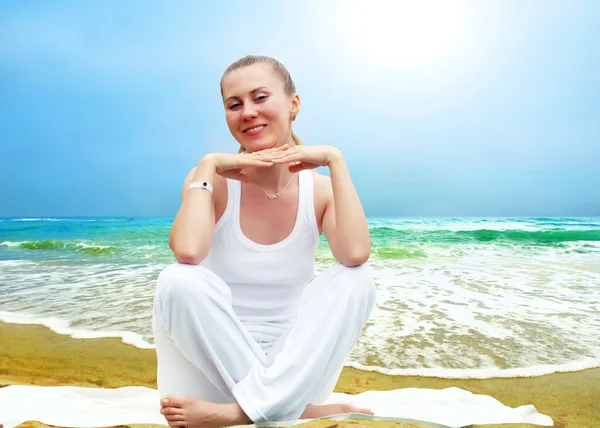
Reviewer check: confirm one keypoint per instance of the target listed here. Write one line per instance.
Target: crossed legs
(212, 372)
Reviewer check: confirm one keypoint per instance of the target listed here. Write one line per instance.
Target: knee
(180, 281)
(358, 280)
(172, 278)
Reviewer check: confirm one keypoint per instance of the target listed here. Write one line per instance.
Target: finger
(264, 157)
(293, 149)
(287, 153)
(288, 158)
(255, 162)
(253, 156)
(267, 157)
(271, 150)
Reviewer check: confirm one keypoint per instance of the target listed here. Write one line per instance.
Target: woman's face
(257, 109)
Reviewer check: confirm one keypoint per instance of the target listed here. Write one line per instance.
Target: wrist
(206, 169)
(334, 157)
(208, 161)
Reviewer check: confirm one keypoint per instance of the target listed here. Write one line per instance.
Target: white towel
(70, 406)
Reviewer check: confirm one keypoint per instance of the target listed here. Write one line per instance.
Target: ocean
(457, 297)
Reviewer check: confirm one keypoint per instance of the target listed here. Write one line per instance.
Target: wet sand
(34, 355)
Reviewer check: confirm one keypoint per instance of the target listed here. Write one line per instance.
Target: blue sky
(477, 109)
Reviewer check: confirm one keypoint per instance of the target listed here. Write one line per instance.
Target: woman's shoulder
(322, 185)
(321, 179)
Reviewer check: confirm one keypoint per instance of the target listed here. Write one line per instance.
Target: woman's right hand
(232, 165)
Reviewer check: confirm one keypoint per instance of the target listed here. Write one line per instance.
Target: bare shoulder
(322, 185)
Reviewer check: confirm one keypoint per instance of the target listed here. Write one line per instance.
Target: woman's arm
(344, 221)
(193, 226)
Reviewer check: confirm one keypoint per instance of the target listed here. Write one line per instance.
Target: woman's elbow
(189, 256)
(356, 259)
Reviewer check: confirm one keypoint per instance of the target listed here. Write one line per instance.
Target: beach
(34, 355)
(505, 307)
(456, 297)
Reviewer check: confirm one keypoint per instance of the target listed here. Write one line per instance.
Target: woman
(242, 333)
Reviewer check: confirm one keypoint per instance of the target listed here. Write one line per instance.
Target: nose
(248, 111)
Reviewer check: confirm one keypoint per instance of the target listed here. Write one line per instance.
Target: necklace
(276, 195)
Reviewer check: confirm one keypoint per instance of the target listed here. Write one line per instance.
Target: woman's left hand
(307, 157)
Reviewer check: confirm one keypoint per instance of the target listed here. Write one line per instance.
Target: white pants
(203, 349)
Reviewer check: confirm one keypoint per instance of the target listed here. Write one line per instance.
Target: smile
(255, 130)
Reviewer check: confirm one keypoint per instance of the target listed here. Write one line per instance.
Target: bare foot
(312, 412)
(191, 413)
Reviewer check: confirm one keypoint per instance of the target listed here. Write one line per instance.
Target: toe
(172, 401)
(166, 400)
(175, 418)
(171, 411)
(354, 409)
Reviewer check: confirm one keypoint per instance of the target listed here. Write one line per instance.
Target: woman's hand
(307, 157)
(232, 165)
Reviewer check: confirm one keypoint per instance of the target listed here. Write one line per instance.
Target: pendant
(275, 196)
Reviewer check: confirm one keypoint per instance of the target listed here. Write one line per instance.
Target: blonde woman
(243, 332)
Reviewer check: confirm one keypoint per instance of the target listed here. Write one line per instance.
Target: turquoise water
(458, 297)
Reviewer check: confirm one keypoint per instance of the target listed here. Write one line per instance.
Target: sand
(34, 355)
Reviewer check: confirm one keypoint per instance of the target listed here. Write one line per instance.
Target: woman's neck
(271, 179)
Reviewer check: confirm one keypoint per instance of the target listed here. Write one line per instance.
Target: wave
(63, 327)
(383, 253)
(395, 253)
(484, 373)
(540, 236)
(537, 237)
(76, 247)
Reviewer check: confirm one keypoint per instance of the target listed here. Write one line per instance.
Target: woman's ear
(295, 106)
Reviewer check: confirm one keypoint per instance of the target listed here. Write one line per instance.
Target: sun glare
(403, 35)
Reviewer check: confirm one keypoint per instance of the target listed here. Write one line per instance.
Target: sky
(441, 109)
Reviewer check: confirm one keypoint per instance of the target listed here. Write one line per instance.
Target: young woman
(242, 333)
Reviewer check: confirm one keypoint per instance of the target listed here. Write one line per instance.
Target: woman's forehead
(246, 79)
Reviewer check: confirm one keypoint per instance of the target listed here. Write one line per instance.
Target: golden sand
(34, 355)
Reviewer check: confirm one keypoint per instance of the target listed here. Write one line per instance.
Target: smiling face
(257, 109)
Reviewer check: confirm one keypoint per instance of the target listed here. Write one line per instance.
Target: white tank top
(265, 280)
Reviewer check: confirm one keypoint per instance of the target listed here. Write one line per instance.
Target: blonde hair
(279, 71)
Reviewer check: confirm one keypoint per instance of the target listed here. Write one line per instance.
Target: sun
(402, 34)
